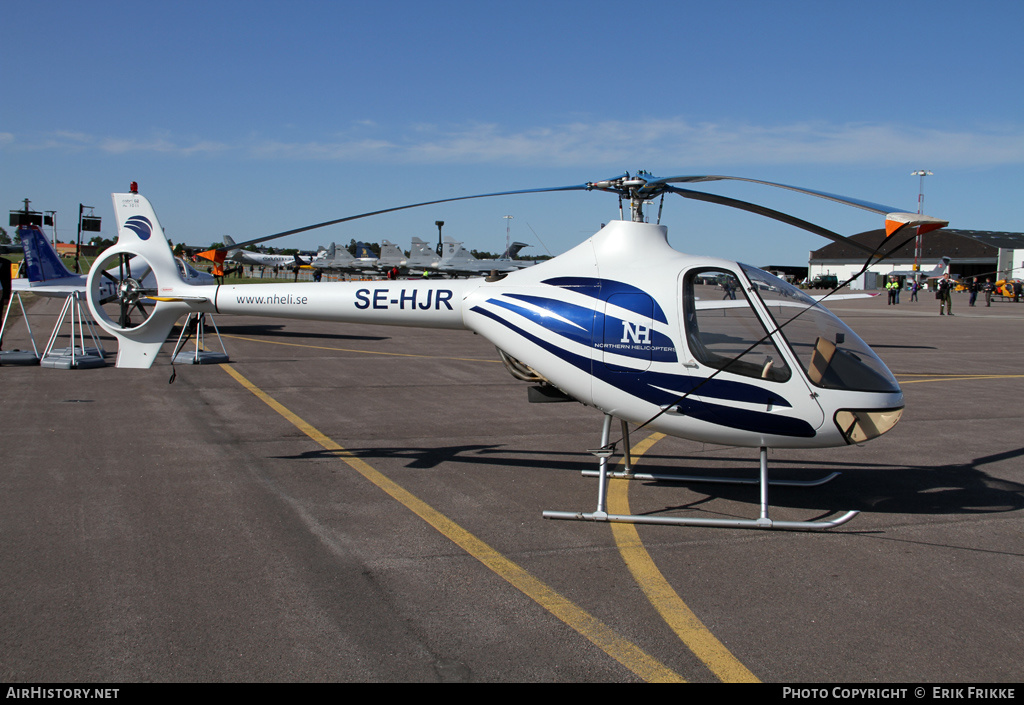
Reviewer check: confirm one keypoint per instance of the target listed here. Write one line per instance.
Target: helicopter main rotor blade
(237, 245)
(769, 213)
(651, 187)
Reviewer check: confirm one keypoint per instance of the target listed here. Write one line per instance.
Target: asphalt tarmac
(362, 503)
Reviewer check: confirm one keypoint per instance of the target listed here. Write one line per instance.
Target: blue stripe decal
(662, 389)
(603, 289)
(620, 337)
(580, 333)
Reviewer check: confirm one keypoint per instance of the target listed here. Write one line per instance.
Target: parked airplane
(260, 259)
(456, 260)
(938, 271)
(422, 257)
(619, 323)
(339, 259)
(391, 255)
(46, 274)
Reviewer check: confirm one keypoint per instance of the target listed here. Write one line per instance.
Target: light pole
(920, 211)
(440, 247)
(508, 232)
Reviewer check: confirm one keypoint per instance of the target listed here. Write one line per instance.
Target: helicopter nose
(859, 425)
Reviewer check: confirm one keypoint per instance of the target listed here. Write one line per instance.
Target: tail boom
(421, 304)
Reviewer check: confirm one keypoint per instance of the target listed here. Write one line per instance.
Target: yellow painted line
(956, 378)
(600, 634)
(687, 626)
(351, 350)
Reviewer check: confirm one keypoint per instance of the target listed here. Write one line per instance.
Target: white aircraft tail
(340, 256)
(140, 235)
(421, 254)
(455, 254)
(391, 255)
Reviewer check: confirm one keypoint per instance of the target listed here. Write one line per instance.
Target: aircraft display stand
(201, 356)
(74, 357)
(605, 451)
(18, 357)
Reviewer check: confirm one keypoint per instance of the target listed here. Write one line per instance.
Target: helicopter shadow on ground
(954, 488)
(272, 330)
(486, 455)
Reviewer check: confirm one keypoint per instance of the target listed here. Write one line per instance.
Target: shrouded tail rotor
(147, 299)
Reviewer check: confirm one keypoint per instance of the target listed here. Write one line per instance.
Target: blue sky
(249, 118)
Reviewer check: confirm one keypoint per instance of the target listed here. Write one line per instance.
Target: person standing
(988, 288)
(944, 293)
(973, 288)
(892, 286)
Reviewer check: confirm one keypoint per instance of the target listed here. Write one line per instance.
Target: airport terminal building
(972, 253)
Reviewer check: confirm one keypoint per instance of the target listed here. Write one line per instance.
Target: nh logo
(635, 333)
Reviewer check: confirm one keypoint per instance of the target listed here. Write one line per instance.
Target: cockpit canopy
(724, 331)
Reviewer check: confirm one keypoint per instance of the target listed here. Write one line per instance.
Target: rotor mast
(631, 187)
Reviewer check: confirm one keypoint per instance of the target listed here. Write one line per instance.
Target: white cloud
(647, 141)
(669, 141)
(161, 145)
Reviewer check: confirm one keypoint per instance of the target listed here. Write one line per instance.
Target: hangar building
(972, 253)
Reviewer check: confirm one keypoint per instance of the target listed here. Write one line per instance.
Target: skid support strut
(762, 522)
(202, 355)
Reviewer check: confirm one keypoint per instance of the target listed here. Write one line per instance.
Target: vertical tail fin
(391, 255)
(421, 254)
(513, 250)
(139, 235)
(455, 254)
(42, 263)
(363, 251)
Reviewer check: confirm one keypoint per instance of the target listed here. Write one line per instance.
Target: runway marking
(600, 634)
(680, 618)
(364, 352)
(952, 378)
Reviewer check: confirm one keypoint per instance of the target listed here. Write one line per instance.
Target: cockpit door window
(724, 332)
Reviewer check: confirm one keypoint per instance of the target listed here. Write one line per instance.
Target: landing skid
(763, 522)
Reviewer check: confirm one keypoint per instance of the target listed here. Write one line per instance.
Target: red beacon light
(134, 187)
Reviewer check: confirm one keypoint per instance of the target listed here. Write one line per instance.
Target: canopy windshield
(831, 354)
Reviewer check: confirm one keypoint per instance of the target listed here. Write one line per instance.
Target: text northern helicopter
(622, 322)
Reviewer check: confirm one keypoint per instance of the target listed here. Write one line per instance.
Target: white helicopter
(622, 322)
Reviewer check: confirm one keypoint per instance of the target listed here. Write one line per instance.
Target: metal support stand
(763, 522)
(201, 356)
(18, 357)
(74, 357)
